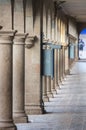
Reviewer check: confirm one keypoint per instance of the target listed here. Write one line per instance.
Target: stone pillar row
(46, 83)
(50, 87)
(12, 47)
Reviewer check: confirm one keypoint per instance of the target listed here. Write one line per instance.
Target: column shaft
(48, 83)
(6, 40)
(63, 62)
(53, 86)
(45, 97)
(33, 87)
(33, 90)
(60, 65)
(18, 79)
(58, 69)
(55, 71)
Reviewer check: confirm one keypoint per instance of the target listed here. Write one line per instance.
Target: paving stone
(67, 110)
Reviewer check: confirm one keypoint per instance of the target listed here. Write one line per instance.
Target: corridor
(67, 110)
(42, 83)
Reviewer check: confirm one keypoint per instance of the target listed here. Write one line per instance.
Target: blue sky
(83, 31)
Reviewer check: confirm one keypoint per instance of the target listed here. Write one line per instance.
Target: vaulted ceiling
(75, 8)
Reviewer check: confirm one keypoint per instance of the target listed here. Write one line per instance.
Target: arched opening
(82, 44)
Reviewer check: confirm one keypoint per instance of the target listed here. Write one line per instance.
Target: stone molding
(20, 38)
(30, 41)
(6, 37)
(45, 40)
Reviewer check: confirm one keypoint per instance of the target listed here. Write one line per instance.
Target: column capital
(52, 41)
(55, 42)
(19, 38)
(6, 37)
(30, 40)
(45, 40)
(44, 47)
(59, 42)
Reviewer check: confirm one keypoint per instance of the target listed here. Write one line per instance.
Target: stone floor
(67, 110)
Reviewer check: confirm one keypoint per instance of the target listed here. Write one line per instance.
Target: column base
(63, 76)
(21, 119)
(8, 128)
(60, 83)
(61, 79)
(33, 110)
(45, 98)
(50, 95)
(54, 91)
(58, 87)
(67, 72)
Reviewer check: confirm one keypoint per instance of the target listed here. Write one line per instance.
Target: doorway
(82, 44)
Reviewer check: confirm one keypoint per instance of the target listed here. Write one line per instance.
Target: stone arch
(82, 43)
(80, 27)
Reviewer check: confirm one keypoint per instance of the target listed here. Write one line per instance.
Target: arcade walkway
(67, 110)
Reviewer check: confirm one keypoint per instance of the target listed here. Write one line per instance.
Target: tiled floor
(67, 110)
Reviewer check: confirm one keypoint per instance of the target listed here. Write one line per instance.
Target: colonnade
(25, 82)
(59, 74)
(12, 77)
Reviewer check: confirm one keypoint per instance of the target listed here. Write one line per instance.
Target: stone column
(63, 62)
(67, 61)
(32, 77)
(53, 86)
(6, 120)
(18, 79)
(60, 65)
(49, 82)
(53, 81)
(33, 80)
(57, 69)
(45, 97)
(44, 84)
(69, 66)
(58, 60)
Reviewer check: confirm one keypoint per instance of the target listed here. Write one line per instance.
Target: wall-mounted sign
(71, 51)
(53, 46)
(48, 58)
(48, 62)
